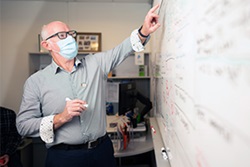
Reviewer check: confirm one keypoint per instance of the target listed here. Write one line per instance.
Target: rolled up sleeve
(46, 129)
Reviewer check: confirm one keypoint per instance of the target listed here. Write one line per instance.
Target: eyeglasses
(63, 35)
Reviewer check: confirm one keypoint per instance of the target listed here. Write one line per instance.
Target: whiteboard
(201, 69)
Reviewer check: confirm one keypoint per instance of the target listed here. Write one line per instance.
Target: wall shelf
(38, 60)
(129, 77)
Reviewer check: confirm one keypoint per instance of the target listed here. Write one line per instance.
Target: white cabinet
(127, 69)
(40, 60)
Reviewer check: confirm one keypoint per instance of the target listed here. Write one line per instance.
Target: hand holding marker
(68, 99)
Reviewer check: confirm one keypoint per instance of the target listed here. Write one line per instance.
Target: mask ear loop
(58, 52)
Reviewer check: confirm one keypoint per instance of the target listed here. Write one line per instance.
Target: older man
(64, 103)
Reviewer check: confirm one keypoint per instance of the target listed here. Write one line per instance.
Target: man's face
(52, 30)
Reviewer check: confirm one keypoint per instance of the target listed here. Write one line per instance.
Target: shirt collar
(56, 68)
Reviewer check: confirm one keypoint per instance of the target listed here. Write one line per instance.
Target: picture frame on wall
(89, 42)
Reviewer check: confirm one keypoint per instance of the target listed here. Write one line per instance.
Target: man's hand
(151, 23)
(72, 109)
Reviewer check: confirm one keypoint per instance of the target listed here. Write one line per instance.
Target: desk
(136, 146)
(153, 141)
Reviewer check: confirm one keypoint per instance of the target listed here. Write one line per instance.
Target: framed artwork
(89, 42)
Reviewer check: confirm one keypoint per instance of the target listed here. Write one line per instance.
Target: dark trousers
(100, 156)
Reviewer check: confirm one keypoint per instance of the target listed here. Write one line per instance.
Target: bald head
(52, 28)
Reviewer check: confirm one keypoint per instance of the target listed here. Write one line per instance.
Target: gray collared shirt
(45, 93)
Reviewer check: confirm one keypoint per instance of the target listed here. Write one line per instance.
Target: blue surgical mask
(68, 47)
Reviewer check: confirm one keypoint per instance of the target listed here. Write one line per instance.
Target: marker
(164, 153)
(153, 129)
(68, 99)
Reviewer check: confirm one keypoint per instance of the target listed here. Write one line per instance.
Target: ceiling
(124, 1)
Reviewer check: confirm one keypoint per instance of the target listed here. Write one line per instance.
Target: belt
(87, 145)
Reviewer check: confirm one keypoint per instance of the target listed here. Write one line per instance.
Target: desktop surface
(137, 145)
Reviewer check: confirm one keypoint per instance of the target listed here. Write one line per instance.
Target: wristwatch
(136, 41)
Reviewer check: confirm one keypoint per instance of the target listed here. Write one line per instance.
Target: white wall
(21, 23)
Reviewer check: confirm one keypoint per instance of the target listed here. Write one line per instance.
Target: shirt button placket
(72, 85)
